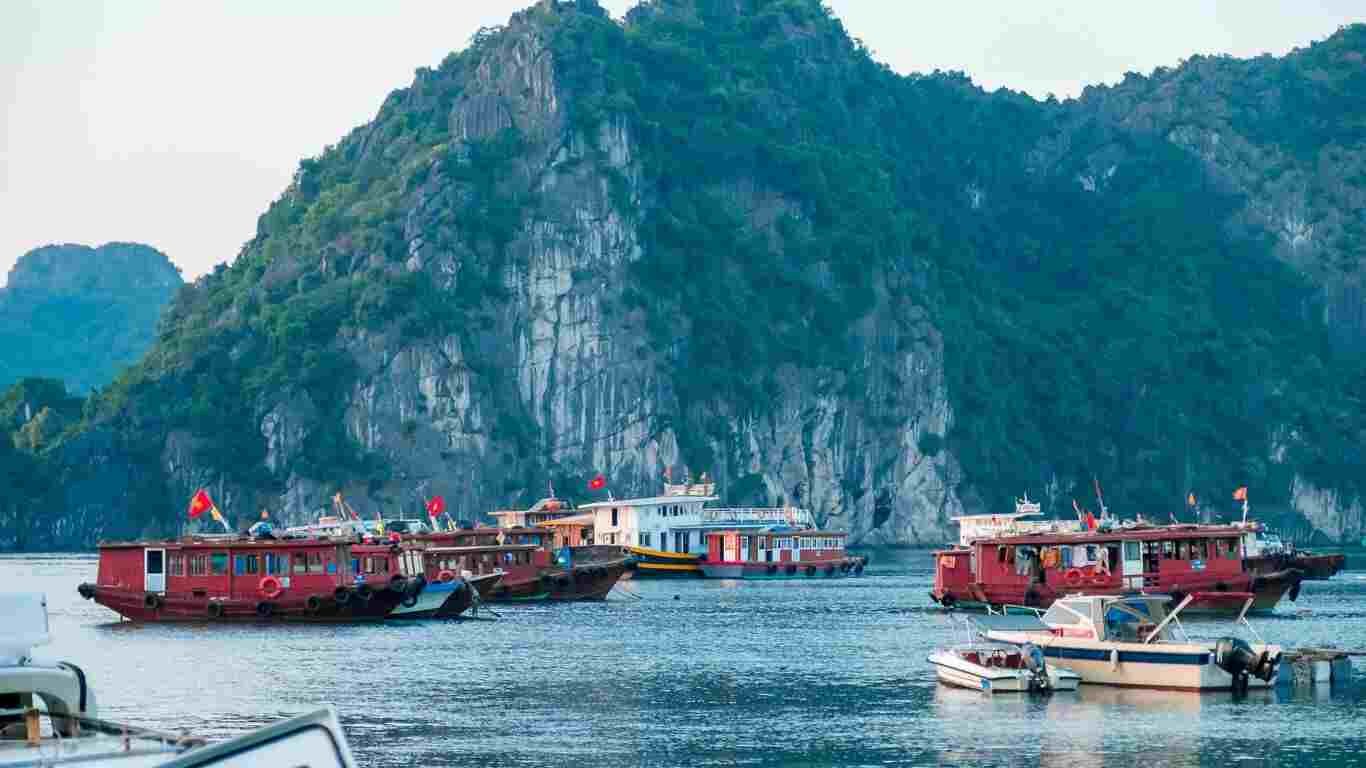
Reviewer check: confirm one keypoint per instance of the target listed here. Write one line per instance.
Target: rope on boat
(478, 600)
(626, 592)
(179, 741)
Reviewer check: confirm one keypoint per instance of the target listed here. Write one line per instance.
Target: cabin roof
(484, 548)
(1116, 535)
(648, 501)
(787, 532)
(236, 543)
(586, 519)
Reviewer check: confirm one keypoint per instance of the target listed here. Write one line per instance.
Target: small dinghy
(995, 667)
(1001, 668)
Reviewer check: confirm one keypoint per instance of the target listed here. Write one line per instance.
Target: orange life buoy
(1072, 576)
(446, 576)
(270, 587)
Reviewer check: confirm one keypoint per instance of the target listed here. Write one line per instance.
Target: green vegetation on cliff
(1124, 333)
(787, 192)
(81, 314)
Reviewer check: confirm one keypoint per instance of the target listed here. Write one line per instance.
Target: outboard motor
(1237, 658)
(1032, 659)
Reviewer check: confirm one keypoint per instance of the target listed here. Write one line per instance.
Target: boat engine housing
(1237, 658)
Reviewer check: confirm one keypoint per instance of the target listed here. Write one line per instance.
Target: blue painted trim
(1140, 657)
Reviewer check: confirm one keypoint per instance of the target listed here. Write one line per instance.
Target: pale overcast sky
(176, 123)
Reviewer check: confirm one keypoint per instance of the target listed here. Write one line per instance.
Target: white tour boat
(1133, 640)
(48, 717)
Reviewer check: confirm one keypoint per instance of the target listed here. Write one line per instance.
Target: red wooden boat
(778, 554)
(247, 579)
(530, 570)
(1034, 569)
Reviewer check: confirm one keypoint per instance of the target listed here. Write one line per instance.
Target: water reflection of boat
(48, 717)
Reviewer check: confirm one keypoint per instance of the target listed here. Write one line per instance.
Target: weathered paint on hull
(461, 597)
(779, 571)
(428, 602)
(590, 581)
(664, 571)
(1269, 594)
(132, 605)
(649, 563)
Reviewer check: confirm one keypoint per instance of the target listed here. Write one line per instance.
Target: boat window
(315, 562)
(355, 565)
(199, 565)
(614, 516)
(300, 562)
(175, 564)
(1059, 614)
(244, 564)
(218, 563)
(276, 564)
(1168, 549)
(1131, 550)
(1232, 552)
(645, 539)
(1200, 549)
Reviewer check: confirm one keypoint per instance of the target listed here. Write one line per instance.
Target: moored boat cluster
(345, 569)
(1098, 600)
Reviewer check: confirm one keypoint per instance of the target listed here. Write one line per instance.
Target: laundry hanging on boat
(1050, 557)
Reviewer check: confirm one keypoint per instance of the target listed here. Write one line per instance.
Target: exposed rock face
(443, 304)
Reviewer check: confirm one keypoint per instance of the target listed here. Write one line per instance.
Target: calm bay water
(690, 673)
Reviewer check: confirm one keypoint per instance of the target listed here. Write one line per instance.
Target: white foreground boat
(48, 717)
(1001, 668)
(1134, 641)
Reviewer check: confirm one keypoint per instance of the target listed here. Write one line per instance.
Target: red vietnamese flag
(200, 503)
(436, 506)
(597, 483)
(1240, 494)
(1090, 521)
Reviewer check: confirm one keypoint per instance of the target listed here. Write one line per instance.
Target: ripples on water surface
(729, 673)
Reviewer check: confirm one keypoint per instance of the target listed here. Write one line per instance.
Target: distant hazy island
(79, 314)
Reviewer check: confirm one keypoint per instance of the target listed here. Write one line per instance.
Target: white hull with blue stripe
(1133, 640)
(1185, 666)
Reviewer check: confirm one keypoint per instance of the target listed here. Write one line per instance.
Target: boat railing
(744, 514)
(1008, 608)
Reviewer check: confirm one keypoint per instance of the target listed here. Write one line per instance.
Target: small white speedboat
(1133, 640)
(1001, 668)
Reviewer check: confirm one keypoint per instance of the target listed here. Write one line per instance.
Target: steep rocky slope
(718, 237)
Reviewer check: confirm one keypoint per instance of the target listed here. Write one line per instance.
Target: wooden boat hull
(462, 598)
(646, 563)
(137, 605)
(825, 569)
(1312, 566)
(586, 581)
(426, 604)
(1269, 589)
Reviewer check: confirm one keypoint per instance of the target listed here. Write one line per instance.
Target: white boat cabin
(679, 520)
